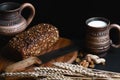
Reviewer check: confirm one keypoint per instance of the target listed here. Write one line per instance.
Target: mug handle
(32, 14)
(118, 28)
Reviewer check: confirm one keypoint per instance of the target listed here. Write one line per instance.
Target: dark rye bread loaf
(32, 42)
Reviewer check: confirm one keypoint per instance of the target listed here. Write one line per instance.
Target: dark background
(69, 17)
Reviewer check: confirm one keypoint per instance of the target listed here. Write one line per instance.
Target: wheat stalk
(87, 71)
(65, 71)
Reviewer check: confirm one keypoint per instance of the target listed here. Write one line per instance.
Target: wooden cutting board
(62, 42)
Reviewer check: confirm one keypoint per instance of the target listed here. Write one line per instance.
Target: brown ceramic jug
(98, 35)
(11, 20)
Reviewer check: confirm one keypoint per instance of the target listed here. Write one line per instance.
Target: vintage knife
(22, 65)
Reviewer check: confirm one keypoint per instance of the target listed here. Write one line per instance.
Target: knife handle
(22, 65)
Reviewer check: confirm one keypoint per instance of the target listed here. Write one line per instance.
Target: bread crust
(32, 42)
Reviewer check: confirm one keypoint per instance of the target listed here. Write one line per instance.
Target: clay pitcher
(11, 20)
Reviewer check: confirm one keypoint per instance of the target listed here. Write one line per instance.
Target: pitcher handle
(118, 28)
(32, 14)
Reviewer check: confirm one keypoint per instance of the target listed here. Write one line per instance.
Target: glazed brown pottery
(98, 35)
(11, 20)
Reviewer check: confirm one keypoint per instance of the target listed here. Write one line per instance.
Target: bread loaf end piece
(35, 40)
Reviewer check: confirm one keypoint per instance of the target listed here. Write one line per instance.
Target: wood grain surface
(69, 58)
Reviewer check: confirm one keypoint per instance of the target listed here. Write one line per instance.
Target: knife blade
(58, 53)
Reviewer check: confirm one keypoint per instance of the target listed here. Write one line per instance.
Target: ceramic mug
(98, 35)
